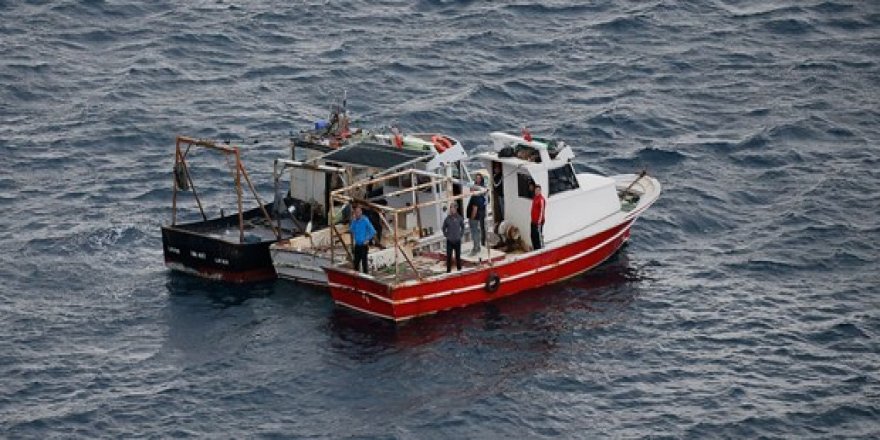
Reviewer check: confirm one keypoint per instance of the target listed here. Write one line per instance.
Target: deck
(433, 262)
(428, 254)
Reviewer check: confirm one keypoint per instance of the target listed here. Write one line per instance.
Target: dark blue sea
(746, 305)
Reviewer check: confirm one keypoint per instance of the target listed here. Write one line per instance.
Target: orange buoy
(441, 143)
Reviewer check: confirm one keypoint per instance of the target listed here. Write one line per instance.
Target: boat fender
(396, 137)
(493, 283)
(441, 143)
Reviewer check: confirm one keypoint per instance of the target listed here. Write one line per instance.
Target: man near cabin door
(481, 208)
(539, 207)
(476, 212)
(453, 229)
(362, 232)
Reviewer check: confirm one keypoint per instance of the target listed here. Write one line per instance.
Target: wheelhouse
(573, 200)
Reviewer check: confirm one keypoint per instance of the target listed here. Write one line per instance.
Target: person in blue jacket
(362, 232)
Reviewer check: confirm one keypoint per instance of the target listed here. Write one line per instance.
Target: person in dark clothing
(498, 186)
(374, 195)
(481, 208)
(473, 220)
(453, 229)
(476, 214)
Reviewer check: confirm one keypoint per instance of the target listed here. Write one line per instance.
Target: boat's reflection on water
(593, 299)
(219, 294)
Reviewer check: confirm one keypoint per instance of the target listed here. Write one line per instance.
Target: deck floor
(429, 258)
(434, 263)
(255, 230)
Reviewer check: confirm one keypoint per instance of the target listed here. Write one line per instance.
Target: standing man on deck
(539, 206)
(477, 217)
(481, 204)
(362, 232)
(453, 229)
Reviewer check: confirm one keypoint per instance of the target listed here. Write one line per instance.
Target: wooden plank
(259, 201)
(207, 144)
(238, 196)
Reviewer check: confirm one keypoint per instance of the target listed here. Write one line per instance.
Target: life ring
(441, 143)
(492, 283)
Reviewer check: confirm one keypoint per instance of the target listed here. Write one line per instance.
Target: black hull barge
(233, 248)
(211, 249)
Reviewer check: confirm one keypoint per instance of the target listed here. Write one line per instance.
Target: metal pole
(383, 178)
(415, 204)
(490, 195)
(260, 202)
(341, 241)
(410, 189)
(174, 182)
(238, 194)
(338, 235)
(421, 205)
(189, 179)
(275, 181)
(332, 230)
(396, 245)
(402, 165)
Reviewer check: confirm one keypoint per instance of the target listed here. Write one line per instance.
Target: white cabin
(574, 201)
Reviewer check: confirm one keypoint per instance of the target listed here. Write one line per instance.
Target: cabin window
(527, 153)
(404, 181)
(525, 185)
(421, 180)
(562, 179)
(456, 170)
(553, 146)
(375, 190)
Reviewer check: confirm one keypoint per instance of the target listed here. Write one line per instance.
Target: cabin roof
(374, 155)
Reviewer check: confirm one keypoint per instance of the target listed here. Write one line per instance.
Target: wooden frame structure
(342, 196)
(180, 165)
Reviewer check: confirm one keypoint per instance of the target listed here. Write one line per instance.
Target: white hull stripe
(480, 286)
(369, 312)
(362, 292)
(569, 259)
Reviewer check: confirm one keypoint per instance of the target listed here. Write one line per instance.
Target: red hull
(411, 299)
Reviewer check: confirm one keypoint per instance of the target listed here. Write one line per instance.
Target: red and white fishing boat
(588, 218)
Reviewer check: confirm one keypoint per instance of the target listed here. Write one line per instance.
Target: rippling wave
(746, 304)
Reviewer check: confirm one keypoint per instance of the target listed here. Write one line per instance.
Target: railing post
(238, 196)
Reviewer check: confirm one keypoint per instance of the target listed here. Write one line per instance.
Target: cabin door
(497, 182)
